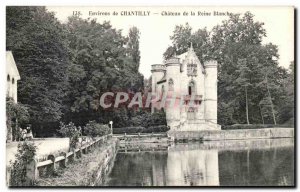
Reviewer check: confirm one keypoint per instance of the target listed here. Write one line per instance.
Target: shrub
(152, 129)
(94, 129)
(148, 119)
(15, 112)
(25, 154)
(157, 129)
(71, 131)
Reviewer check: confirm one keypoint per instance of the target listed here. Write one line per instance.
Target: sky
(156, 28)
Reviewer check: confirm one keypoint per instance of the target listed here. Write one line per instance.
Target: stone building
(187, 90)
(12, 75)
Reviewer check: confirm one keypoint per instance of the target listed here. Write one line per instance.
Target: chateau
(187, 81)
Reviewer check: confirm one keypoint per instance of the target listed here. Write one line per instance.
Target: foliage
(38, 43)
(145, 122)
(147, 119)
(15, 112)
(138, 129)
(102, 60)
(26, 153)
(287, 104)
(157, 129)
(128, 130)
(94, 129)
(70, 131)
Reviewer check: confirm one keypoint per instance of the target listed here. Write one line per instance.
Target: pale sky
(156, 29)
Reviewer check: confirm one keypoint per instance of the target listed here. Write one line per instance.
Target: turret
(211, 69)
(173, 72)
(158, 71)
(173, 87)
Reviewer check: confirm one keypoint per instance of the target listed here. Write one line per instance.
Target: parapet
(158, 68)
(173, 61)
(211, 64)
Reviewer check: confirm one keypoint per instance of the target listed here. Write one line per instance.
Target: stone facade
(12, 75)
(188, 92)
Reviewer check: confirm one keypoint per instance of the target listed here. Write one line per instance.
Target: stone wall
(211, 135)
(142, 138)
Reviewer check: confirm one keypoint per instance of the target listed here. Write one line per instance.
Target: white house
(186, 79)
(13, 76)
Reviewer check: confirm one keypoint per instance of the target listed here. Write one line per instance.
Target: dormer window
(192, 69)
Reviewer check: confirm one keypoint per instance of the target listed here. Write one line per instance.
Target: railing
(35, 169)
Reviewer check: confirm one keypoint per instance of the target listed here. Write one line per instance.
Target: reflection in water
(192, 165)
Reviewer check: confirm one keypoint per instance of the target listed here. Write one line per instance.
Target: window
(192, 69)
(191, 114)
(13, 81)
(191, 88)
(8, 78)
(171, 85)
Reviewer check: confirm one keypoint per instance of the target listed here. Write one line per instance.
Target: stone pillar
(51, 167)
(63, 163)
(32, 173)
(84, 150)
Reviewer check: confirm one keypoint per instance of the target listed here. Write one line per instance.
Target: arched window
(192, 88)
(191, 114)
(13, 81)
(171, 85)
(8, 78)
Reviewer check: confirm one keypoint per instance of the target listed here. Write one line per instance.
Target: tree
(286, 104)
(243, 81)
(133, 48)
(183, 37)
(37, 41)
(102, 60)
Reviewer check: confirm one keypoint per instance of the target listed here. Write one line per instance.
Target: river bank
(86, 171)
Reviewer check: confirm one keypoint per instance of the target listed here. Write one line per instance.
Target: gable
(11, 67)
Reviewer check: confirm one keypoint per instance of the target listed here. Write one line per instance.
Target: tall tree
(37, 41)
(133, 48)
(102, 60)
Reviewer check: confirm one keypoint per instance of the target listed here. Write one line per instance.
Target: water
(267, 163)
